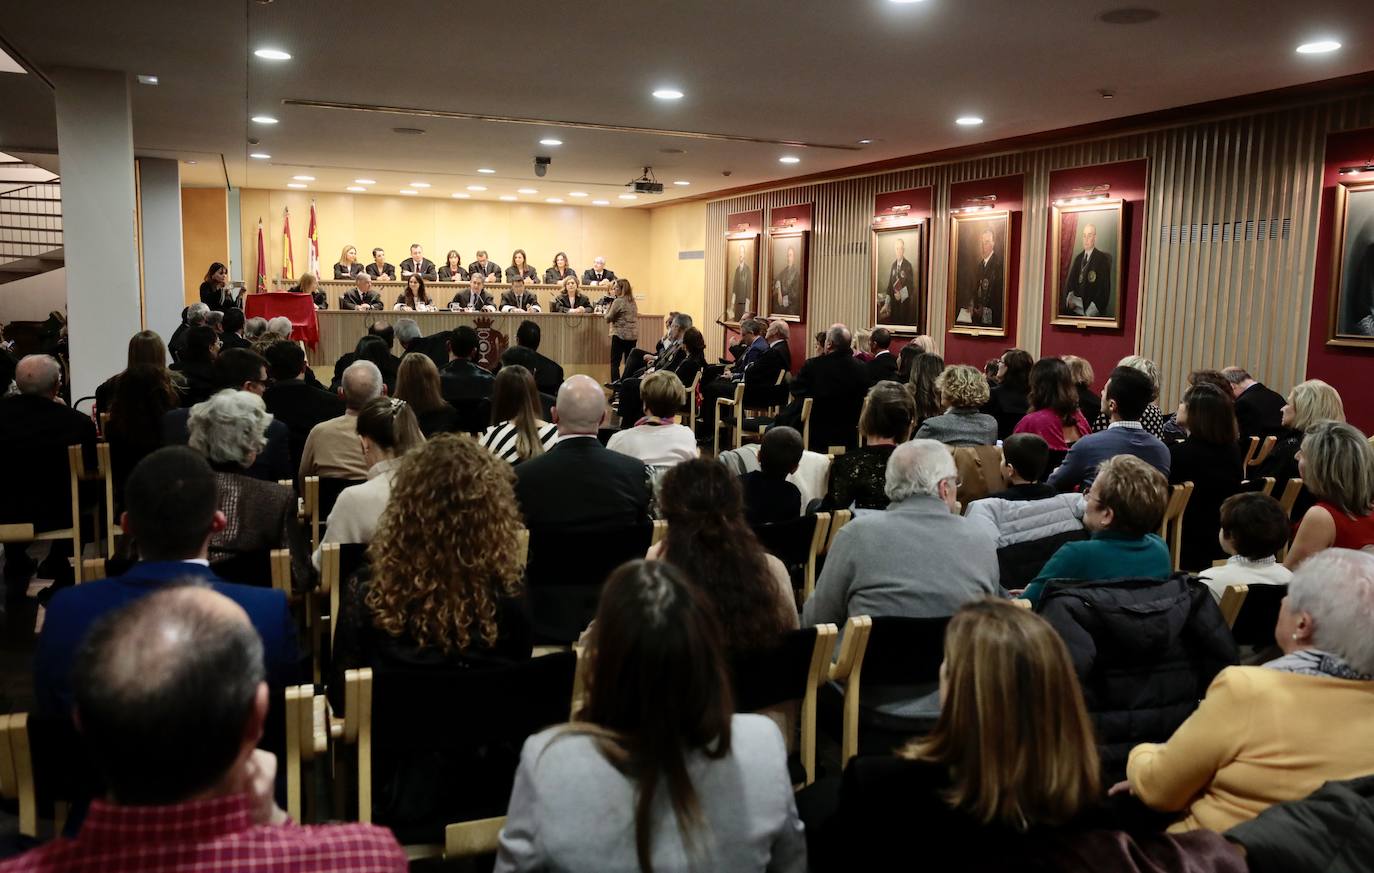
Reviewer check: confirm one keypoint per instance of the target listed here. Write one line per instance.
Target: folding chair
(1171, 528)
(24, 532)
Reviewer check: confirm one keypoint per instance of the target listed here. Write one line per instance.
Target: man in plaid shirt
(170, 699)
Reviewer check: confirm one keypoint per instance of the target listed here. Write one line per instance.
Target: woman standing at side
(623, 316)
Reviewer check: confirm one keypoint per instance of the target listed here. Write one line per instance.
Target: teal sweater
(1108, 555)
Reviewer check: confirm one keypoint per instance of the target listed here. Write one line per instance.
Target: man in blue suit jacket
(170, 511)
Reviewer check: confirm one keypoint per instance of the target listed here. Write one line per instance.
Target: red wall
(977, 350)
(1349, 370)
(1101, 348)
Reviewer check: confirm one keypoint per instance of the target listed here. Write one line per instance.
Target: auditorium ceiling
(486, 80)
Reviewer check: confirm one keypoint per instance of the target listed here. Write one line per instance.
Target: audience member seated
(172, 701)
(385, 360)
(417, 383)
(1054, 415)
(241, 370)
(1264, 735)
(836, 384)
(905, 358)
(36, 428)
(474, 298)
(1152, 418)
(253, 328)
(309, 283)
(387, 430)
(657, 439)
(1126, 397)
(1024, 458)
(1123, 509)
(923, 383)
(229, 430)
(193, 316)
(361, 296)
(215, 320)
(883, 364)
(1174, 429)
(963, 393)
(689, 360)
(171, 512)
(332, 450)
(278, 331)
(145, 347)
(675, 324)
(1089, 403)
(517, 432)
(858, 478)
(1210, 458)
(414, 297)
(1337, 466)
(232, 335)
(656, 751)
(294, 401)
(1253, 529)
(759, 383)
(863, 340)
(1259, 408)
(1009, 399)
(200, 348)
(144, 394)
(548, 373)
(1308, 403)
(518, 298)
(461, 381)
(570, 299)
(918, 559)
(768, 497)
(579, 484)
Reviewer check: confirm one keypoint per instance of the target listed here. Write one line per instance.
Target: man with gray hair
(918, 558)
(192, 316)
(837, 383)
(1259, 408)
(579, 484)
(332, 450)
(766, 355)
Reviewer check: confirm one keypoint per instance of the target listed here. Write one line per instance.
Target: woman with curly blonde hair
(963, 393)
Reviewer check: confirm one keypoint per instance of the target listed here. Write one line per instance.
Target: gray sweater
(570, 810)
(960, 427)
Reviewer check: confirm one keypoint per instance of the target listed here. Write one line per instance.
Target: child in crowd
(1253, 529)
(1024, 458)
(768, 496)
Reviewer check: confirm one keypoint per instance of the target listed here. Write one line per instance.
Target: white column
(95, 148)
(164, 294)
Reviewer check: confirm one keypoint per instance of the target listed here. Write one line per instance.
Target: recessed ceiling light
(527, 190)
(577, 193)
(551, 142)
(364, 181)
(903, 2)
(477, 187)
(190, 162)
(628, 197)
(789, 159)
(147, 80)
(507, 197)
(601, 203)
(304, 178)
(262, 156)
(1320, 47)
(682, 183)
(358, 188)
(409, 191)
(462, 196)
(968, 121)
(553, 199)
(487, 170)
(264, 119)
(865, 142)
(269, 54)
(668, 94)
(419, 184)
(297, 185)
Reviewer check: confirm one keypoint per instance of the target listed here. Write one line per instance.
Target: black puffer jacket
(1329, 831)
(1145, 651)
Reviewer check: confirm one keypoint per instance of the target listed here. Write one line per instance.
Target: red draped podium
(300, 308)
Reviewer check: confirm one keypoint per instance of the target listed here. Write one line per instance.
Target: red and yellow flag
(312, 255)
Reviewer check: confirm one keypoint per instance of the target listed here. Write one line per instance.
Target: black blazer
(211, 294)
(560, 303)
(837, 383)
(582, 485)
(1091, 283)
(388, 368)
(491, 269)
(435, 346)
(1216, 473)
(34, 435)
(200, 381)
(464, 380)
(463, 299)
(425, 268)
(273, 463)
(387, 272)
(761, 377)
(1008, 406)
(548, 373)
(300, 406)
(353, 299)
(350, 272)
(589, 276)
(1259, 412)
(553, 277)
(523, 300)
(769, 500)
(882, 368)
(441, 419)
(234, 341)
(528, 273)
(447, 275)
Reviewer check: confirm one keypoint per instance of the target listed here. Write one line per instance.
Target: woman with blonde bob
(1308, 403)
(963, 392)
(1012, 757)
(1337, 467)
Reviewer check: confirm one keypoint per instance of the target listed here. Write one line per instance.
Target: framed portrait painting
(979, 272)
(741, 277)
(1352, 267)
(1087, 263)
(787, 274)
(899, 278)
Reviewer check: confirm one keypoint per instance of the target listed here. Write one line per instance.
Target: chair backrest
(566, 570)
(1055, 458)
(1291, 490)
(904, 651)
(474, 414)
(1254, 621)
(1252, 450)
(1020, 563)
(1171, 528)
(1265, 449)
(329, 490)
(246, 568)
(789, 541)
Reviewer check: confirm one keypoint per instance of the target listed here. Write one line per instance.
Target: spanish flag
(288, 263)
(262, 262)
(312, 237)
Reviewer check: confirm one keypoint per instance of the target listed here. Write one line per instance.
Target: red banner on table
(299, 308)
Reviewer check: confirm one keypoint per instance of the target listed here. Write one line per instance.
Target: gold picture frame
(974, 284)
(1352, 264)
(736, 279)
(901, 317)
(786, 290)
(1077, 288)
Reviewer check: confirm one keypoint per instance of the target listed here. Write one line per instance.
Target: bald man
(332, 450)
(1088, 289)
(36, 428)
(579, 484)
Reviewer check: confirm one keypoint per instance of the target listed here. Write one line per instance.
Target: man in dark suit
(232, 336)
(170, 512)
(379, 269)
(1259, 409)
(741, 284)
(884, 363)
(195, 315)
(899, 293)
(598, 274)
(519, 299)
(836, 382)
(980, 298)
(418, 264)
(294, 401)
(751, 336)
(490, 270)
(473, 298)
(463, 383)
(386, 333)
(787, 287)
(1088, 290)
(579, 484)
(243, 370)
(361, 295)
(548, 373)
(35, 430)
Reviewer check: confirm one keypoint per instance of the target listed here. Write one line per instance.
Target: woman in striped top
(519, 433)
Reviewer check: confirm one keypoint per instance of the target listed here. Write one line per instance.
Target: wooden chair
(1171, 528)
(1291, 490)
(44, 766)
(797, 543)
(740, 424)
(792, 670)
(310, 500)
(1251, 450)
(841, 518)
(1251, 612)
(1259, 451)
(660, 531)
(24, 532)
(692, 401)
(563, 577)
(16, 771)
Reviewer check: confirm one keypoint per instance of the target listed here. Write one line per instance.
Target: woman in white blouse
(657, 439)
(518, 433)
(387, 430)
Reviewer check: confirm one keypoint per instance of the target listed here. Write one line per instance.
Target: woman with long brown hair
(414, 298)
(517, 433)
(520, 268)
(656, 752)
(559, 271)
(145, 347)
(417, 383)
(452, 270)
(143, 394)
(925, 371)
(1054, 415)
